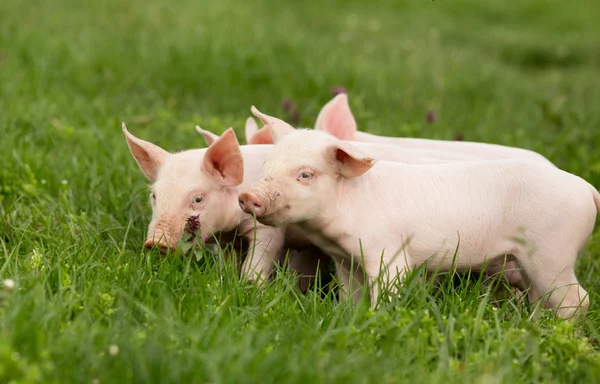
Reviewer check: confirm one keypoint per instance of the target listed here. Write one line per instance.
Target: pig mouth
(272, 219)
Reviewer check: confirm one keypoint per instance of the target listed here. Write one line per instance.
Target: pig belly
(469, 250)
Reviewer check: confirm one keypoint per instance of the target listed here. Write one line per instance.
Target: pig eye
(153, 196)
(198, 199)
(305, 176)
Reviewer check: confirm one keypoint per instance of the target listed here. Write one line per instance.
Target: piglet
(337, 119)
(506, 268)
(398, 216)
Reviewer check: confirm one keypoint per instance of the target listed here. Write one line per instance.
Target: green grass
(74, 206)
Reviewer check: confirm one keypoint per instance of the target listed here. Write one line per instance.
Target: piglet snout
(250, 203)
(149, 244)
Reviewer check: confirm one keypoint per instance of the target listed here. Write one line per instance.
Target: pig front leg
(265, 245)
(306, 264)
(384, 272)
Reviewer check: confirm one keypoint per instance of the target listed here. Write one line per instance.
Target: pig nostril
(163, 250)
(242, 203)
(251, 204)
(257, 208)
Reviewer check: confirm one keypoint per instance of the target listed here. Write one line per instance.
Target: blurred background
(521, 73)
(74, 207)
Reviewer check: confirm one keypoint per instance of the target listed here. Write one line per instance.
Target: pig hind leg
(514, 277)
(553, 281)
(511, 272)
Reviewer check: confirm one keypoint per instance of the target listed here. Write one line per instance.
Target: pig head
(193, 190)
(282, 196)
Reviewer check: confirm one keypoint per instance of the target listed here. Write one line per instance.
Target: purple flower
(337, 90)
(431, 117)
(287, 104)
(193, 224)
(292, 111)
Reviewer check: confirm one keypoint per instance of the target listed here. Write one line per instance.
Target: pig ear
(336, 118)
(255, 135)
(209, 137)
(276, 127)
(149, 157)
(250, 128)
(262, 136)
(348, 160)
(223, 160)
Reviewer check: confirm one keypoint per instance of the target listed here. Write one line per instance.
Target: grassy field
(89, 305)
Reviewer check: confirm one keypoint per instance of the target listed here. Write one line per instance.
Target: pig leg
(343, 274)
(554, 283)
(385, 273)
(265, 245)
(511, 273)
(302, 264)
(305, 263)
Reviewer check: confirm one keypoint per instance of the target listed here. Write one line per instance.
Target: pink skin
(337, 113)
(348, 204)
(208, 136)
